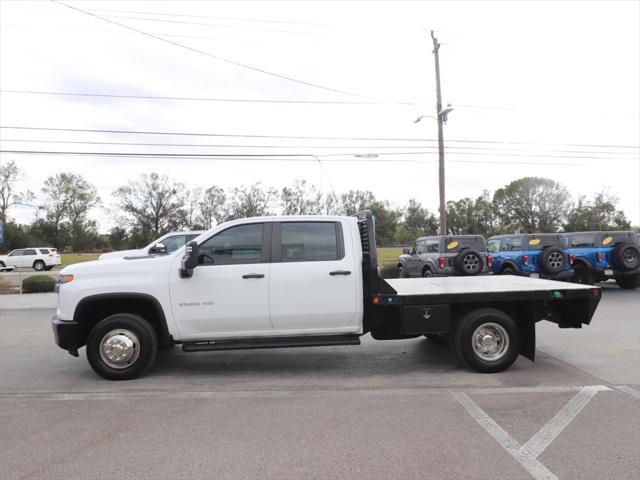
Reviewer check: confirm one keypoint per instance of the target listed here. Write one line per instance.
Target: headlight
(65, 278)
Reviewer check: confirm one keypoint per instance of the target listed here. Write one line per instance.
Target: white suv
(168, 243)
(40, 258)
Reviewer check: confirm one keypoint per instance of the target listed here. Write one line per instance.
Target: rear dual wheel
(487, 340)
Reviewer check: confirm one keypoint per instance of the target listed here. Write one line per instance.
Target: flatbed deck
(485, 284)
(417, 291)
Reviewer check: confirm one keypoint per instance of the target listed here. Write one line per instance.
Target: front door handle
(340, 272)
(253, 275)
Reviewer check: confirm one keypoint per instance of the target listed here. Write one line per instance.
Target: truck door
(228, 292)
(313, 280)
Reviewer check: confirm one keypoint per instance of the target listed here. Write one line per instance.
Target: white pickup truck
(295, 282)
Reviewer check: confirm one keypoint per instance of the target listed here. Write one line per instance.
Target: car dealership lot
(401, 409)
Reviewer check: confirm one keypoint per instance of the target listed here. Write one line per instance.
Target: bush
(38, 284)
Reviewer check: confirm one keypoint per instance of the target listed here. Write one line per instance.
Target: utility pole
(441, 116)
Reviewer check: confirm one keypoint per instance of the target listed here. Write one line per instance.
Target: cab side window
(29, 251)
(308, 241)
(173, 243)
(582, 241)
(233, 246)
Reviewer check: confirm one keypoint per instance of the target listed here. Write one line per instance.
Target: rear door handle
(253, 275)
(340, 272)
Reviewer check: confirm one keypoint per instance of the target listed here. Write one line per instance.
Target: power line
(215, 25)
(214, 17)
(204, 99)
(307, 137)
(264, 157)
(216, 57)
(453, 149)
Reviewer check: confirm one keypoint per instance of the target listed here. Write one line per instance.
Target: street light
(442, 119)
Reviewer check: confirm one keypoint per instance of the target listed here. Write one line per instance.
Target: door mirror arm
(189, 259)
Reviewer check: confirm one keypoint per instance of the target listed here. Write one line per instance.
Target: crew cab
(447, 255)
(541, 255)
(600, 256)
(38, 258)
(295, 281)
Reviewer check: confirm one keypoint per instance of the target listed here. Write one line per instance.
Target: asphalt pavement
(382, 410)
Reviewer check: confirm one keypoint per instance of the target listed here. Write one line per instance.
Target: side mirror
(190, 259)
(158, 249)
(406, 251)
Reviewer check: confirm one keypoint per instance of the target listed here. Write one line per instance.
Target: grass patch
(388, 254)
(71, 258)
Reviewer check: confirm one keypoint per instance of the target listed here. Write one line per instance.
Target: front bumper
(68, 334)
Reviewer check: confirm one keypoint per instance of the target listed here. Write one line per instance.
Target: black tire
(628, 282)
(437, 338)
(508, 271)
(145, 343)
(497, 324)
(583, 275)
(426, 272)
(468, 263)
(626, 257)
(39, 266)
(401, 272)
(552, 260)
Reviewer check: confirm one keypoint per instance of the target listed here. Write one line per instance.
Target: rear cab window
(493, 246)
(456, 244)
(29, 251)
(581, 240)
(310, 241)
(540, 242)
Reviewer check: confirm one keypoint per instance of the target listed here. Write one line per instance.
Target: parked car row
(582, 257)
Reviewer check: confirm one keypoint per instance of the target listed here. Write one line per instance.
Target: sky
(548, 89)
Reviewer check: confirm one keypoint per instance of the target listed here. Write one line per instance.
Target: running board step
(272, 342)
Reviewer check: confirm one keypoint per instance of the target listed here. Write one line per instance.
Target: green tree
(10, 175)
(356, 200)
(69, 199)
(417, 222)
(472, 216)
(532, 204)
(600, 213)
(151, 206)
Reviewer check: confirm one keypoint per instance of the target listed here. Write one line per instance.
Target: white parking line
(628, 390)
(528, 453)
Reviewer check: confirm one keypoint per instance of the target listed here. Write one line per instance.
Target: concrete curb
(28, 301)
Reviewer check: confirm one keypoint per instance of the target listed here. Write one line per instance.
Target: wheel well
(508, 265)
(580, 262)
(92, 310)
(426, 267)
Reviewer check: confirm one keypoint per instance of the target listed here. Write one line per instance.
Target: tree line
(152, 205)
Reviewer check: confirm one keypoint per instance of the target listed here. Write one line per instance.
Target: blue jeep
(530, 255)
(599, 256)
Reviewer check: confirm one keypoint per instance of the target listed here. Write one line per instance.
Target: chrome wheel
(119, 348)
(490, 341)
(38, 266)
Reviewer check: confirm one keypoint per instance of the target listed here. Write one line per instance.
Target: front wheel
(122, 346)
(487, 340)
(39, 265)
